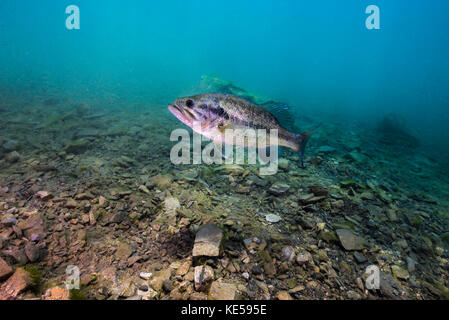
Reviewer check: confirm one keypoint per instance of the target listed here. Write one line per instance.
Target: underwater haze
(86, 177)
(316, 56)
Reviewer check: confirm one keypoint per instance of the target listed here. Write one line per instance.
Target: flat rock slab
(207, 241)
(349, 240)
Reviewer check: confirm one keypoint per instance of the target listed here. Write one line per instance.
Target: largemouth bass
(212, 114)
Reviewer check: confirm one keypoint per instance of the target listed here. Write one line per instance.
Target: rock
(84, 196)
(32, 252)
(116, 217)
(273, 218)
(360, 258)
(269, 268)
(400, 273)
(144, 189)
(207, 241)
(8, 220)
(349, 240)
(57, 293)
(352, 295)
(5, 269)
(203, 275)
(184, 268)
(390, 288)
(15, 285)
(18, 255)
(283, 163)
(318, 191)
(71, 204)
(288, 254)
(302, 258)
(279, 189)
(44, 195)
(145, 275)
(12, 157)
(158, 279)
(283, 295)
(222, 291)
(33, 227)
(160, 181)
(411, 264)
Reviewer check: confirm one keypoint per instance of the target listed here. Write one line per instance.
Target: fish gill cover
(87, 181)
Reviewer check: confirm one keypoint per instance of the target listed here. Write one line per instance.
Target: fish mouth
(179, 111)
(182, 114)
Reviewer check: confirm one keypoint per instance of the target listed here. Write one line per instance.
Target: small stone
(246, 275)
(273, 218)
(207, 241)
(411, 264)
(283, 163)
(32, 252)
(353, 295)
(18, 255)
(269, 268)
(400, 273)
(360, 258)
(84, 196)
(57, 293)
(203, 275)
(184, 268)
(349, 240)
(8, 220)
(145, 275)
(283, 295)
(71, 204)
(302, 258)
(144, 189)
(279, 189)
(44, 195)
(288, 254)
(222, 291)
(5, 269)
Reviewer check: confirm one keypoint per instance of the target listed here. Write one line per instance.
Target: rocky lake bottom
(94, 188)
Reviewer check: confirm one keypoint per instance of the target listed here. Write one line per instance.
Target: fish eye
(189, 103)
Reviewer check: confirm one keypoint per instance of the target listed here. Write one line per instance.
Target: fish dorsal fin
(282, 113)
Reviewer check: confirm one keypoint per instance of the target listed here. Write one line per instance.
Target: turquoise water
(318, 57)
(85, 145)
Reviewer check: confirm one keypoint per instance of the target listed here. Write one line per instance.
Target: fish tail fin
(301, 140)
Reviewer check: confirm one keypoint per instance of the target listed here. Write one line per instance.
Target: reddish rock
(57, 293)
(33, 228)
(5, 269)
(15, 285)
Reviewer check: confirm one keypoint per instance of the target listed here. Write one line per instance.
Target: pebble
(145, 275)
(207, 241)
(5, 269)
(203, 275)
(222, 291)
(279, 189)
(302, 258)
(349, 240)
(288, 254)
(273, 218)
